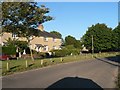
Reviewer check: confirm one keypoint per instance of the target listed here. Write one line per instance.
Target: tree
(102, 36)
(116, 38)
(78, 44)
(56, 33)
(22, 19)
(69, 40)
(16, 43)
(11, 42)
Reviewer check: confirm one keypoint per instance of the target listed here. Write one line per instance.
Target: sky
(74, 18)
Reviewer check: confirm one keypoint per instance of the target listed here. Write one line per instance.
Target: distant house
(84, 49)
(44, 43)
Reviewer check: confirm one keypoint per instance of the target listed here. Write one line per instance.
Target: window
(61, 41)
(4, 43)
(60, 47)
(15, 36)
(54, 47)
(38, 47)
(46, 48)
(54, 40)
(45, 39)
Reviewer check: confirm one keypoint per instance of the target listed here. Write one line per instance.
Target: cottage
(44, 43)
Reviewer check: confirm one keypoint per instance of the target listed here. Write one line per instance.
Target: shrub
(41, 55)
(22, 45)
(75, 51)
(59, 53)
(69, 47)
(65, 52)
(9, 50)
(27, 50)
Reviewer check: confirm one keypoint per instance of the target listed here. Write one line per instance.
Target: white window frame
(15, 36)
(46, 48)
(54, 47)
(54, 39)
(45, 38)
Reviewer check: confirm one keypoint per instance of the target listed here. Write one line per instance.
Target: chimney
(41, 27)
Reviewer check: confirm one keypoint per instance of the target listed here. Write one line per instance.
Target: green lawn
(20, 65)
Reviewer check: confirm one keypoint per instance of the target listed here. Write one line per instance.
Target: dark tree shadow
(74, 82)
(31, 64)
(110, 60)
(114, 59)
(15, 67)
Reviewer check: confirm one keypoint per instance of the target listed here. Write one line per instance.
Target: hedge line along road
(80, 74)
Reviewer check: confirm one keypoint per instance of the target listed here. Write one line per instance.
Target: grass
(20, 65)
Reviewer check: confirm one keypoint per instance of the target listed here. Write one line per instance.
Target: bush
(69, 47)
(22, 45)
(65, 52)
(27, 50)
(41, 55)
(75, 51)
(9, 50)
(59, 53)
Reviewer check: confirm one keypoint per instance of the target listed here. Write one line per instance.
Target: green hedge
(65, 52)
(9, 50)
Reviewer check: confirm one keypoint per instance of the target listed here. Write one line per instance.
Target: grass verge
(13, 66)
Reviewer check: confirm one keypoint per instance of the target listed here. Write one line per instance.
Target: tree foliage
(116, 38)
(16, 43)
(22, 18)
(70, 40)
(56, 33)
(9, 50)
(78, 44)
(102, 36)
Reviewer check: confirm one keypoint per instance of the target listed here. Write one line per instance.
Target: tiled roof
(38, 44)
(47, 34)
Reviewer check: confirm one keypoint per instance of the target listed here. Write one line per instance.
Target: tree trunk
(31, 54)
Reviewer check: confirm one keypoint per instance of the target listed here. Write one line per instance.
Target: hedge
(9, 50)
(65, 52)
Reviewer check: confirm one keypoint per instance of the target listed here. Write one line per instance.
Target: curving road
(80, 74)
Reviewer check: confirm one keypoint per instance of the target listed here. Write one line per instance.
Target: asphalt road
(80, 74)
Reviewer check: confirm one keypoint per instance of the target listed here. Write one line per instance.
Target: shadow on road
(110, 60)
(114, 59)
(74, 82)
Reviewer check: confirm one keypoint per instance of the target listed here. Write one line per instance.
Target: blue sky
(74, 18)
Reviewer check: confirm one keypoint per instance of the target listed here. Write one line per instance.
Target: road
(81, 74)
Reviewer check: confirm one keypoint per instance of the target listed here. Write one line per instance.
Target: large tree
(56, 33)
(116, 38)
(22, 18)
(102, 36)
(78, 44)
(70, 40)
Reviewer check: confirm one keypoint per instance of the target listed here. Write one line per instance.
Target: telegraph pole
(92, 46)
